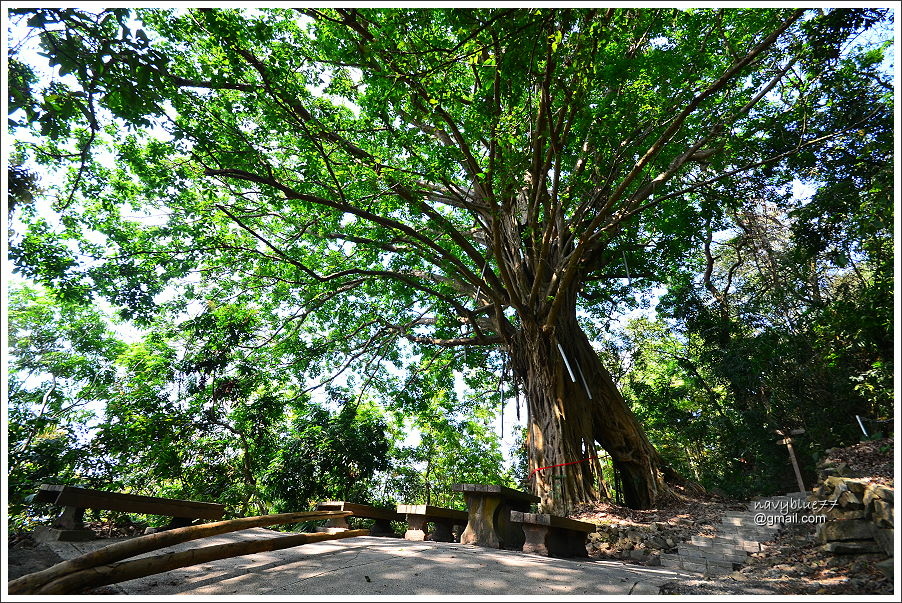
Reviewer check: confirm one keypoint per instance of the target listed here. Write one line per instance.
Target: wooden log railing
(99, 568)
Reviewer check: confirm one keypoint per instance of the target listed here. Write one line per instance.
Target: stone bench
(488, 515)
(75, 500)
(381, 517)
(553, 536)
(444, 519)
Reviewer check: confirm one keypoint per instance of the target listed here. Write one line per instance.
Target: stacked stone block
(859, 517)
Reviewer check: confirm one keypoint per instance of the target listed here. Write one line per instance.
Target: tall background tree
(170, 414)
(480, 185)
(61, 366)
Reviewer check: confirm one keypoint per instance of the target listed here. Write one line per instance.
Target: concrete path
(372, 566)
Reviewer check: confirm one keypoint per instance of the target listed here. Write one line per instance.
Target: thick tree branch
(773, 159)
(454, 342)
(733, 71)
(412, 233)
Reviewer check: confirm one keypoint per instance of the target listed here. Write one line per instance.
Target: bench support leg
(480, 528)
(442, 532)
(333, 525)
(510, 533)
(416, 528)
(337, 522)
(489, 524)
(553, 542)
(72, 518)
(576, 544)
(457, 530)
(536, 540)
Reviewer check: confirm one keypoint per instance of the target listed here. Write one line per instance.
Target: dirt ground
(794, 564)
(26, 556)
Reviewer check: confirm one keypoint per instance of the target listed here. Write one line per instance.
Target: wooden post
(787, 441)
(795, 465)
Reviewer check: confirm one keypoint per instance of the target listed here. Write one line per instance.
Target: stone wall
(859, 513)
(643, 543)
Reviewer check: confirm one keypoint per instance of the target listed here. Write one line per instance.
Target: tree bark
(575, 409)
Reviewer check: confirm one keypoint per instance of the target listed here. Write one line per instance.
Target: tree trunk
(574, 407)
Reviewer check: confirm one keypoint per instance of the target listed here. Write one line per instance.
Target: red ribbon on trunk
(534, 471)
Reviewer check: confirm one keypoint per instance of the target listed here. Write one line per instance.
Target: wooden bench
(75, 500)
(488, 515)
(551, 535)
(444, 519)
(382, 517)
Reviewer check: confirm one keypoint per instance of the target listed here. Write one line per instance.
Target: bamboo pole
(93, 577)
(151, 542)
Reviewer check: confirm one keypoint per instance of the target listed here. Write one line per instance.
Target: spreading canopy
(455, 177)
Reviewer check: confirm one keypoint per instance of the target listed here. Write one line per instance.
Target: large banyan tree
(450, 178)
